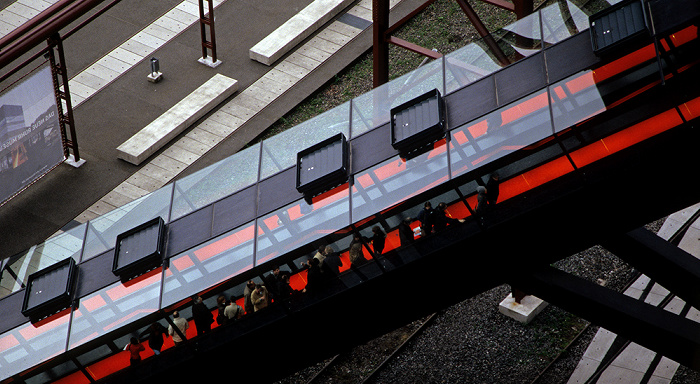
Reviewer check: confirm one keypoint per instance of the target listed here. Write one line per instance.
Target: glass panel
(575, 99)
(60, 247)
(103, 231)
(493, 52)
(397, 179)
(280, 151)
(499, 133)
(522, 38)
(31, 344)
(209, 264)
(216, 181)
(372, 109)
(115, 306)
(467, 65)
(561, 20)
(299, 223)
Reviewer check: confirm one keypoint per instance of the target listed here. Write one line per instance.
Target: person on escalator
(424, 217)
(378, 240)
(440, 219)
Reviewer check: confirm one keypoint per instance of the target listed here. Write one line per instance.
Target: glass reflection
(520, 39)
(280, 151)
(562, 20)
(30, 344)
(60, 247)
(208, 264)
(115, 306)
(499, 133)
(372, 109)
(575, 99)
(103, 231)
(301, 223)
(216, 181)
(397, 179)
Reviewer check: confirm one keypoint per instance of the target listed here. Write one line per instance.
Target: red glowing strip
(525, 108)
(439, 149)
(626, 138)
(579, 83)
(477, 129)
(182, 263)
(559, 91)
(271, 222)
(393, 168)
(461, 138)
(136, 284)
(108, 366)
(335, 194)
(458, 210)
(32, 330)
(298, 280)
(73, 378)
(691, 109)
(226, 243)
(365, 180)
(93, 303)
(8, 342)
(624, 63)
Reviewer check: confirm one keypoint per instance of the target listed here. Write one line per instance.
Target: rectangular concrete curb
(178, 118)
(296, 29)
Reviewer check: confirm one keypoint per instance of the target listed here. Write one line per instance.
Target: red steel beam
(46, 29)
(414, 47)
(35, 21)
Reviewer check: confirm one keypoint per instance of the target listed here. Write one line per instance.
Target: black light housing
(323, 166)
(418, 123)
(139, 249)
(618, 25)
(49, 290)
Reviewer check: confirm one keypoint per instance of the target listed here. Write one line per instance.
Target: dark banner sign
(30, 137)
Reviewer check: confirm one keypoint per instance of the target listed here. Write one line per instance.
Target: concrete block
(178, 118)
(296, 29)
(524, 312)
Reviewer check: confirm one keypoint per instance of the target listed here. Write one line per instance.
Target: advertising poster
(30, 137)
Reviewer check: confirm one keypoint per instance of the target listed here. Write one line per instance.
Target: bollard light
(155, 75)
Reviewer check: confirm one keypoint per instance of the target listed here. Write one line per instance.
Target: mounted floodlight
(323, 166)
(49, 290)
(418, 123)
(139, 250)
(618, 25)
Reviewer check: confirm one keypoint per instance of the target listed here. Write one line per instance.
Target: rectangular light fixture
(418, 123)
(139, 249)
(50, 290)
(618, 25)
(323, 166)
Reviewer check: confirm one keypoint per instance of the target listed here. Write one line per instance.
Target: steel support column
(665, 263)
(380, 46)
(204, 20)
(662, 331)
(62, 92)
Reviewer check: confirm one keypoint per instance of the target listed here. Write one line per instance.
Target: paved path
(635, 361)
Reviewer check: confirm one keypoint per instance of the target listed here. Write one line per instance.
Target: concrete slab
(523, 312)
(176, 119)
(295, 30)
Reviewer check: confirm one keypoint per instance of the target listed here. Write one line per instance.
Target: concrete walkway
(635, 362)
